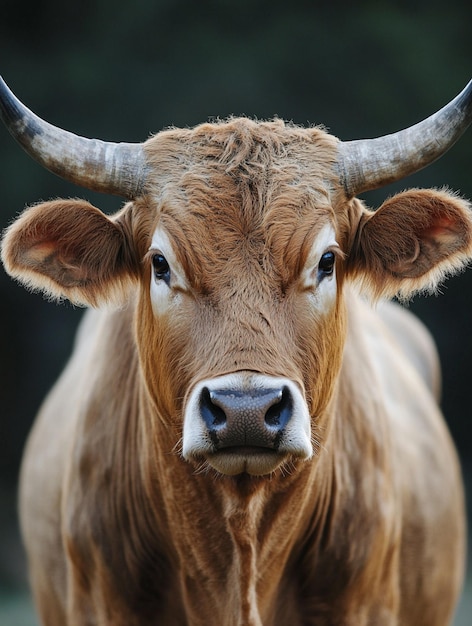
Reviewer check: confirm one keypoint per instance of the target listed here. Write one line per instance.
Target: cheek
(161, 355)
(320, 340)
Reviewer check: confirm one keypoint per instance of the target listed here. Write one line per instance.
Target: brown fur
(119, 529)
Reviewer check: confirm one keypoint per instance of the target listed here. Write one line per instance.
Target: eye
(326, 265)
(161, 268)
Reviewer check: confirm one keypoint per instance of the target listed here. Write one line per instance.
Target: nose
(253, 417)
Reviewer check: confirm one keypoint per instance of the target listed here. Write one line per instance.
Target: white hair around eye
(318, 277)
(168, 280)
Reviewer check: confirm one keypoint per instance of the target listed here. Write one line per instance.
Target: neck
(229, 533)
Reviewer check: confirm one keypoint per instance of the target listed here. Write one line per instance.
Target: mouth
(247, 450)
(253, 460)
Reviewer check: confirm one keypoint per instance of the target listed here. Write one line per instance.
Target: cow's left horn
(371, 163)
(115, 168)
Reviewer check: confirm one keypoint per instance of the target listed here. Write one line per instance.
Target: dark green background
(121, 70)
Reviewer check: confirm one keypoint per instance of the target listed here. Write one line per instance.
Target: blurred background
(120, 71)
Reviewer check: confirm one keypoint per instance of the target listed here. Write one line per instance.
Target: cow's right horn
(371, 163)
(115, 168)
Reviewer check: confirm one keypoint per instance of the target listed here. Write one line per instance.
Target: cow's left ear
(412, 242)
(70, 249)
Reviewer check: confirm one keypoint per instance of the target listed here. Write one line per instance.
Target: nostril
(280, 412)
(212, 414)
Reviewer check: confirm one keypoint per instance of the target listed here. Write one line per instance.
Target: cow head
(236, 246)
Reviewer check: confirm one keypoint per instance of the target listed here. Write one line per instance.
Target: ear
(412, 242)
(68, 248)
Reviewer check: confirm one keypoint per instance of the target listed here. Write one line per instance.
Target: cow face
(239, 248)
(242, 287)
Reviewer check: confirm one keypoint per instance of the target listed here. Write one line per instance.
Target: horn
(115, 168)
(371, 163)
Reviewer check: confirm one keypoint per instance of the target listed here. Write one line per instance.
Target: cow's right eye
(161, 268)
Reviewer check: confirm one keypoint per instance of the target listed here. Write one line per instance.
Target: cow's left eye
(161, 268)
(326, 265)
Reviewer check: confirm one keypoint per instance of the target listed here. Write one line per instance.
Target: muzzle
(246, 423)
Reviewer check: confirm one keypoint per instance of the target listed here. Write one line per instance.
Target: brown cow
(244, 440)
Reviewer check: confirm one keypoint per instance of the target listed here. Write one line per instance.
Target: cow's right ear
(69, 249)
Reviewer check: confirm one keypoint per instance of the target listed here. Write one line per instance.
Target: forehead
(243, 187)
(265, 157)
